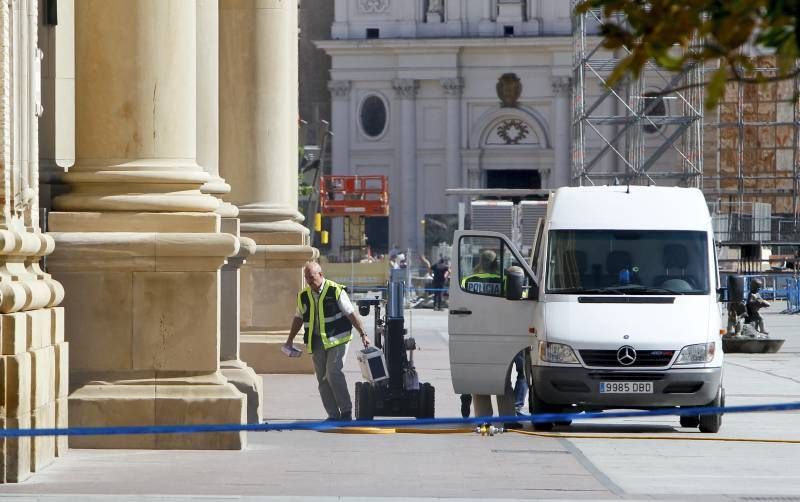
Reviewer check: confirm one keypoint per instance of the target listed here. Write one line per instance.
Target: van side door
(486, 329)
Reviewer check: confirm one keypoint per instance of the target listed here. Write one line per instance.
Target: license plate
(626, 387)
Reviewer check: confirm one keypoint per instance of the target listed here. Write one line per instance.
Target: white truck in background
(617, 307)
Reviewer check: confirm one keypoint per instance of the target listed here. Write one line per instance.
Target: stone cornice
(141, 251)
(440, 45)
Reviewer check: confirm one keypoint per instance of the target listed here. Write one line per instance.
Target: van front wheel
(712, 423)
(537, 406)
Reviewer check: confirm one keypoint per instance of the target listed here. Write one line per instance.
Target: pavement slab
(312, 466)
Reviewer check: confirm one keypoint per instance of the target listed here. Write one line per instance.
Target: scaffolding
(632, 133)
(755, 136)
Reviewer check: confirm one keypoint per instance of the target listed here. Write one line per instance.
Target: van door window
(482, 262)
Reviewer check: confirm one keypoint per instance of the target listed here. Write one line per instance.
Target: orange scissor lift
(355, 198)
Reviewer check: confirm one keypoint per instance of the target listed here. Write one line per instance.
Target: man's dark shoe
(331, 419)
(346, 416)
(466, 403)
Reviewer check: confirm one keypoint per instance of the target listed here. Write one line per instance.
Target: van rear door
(486, 330)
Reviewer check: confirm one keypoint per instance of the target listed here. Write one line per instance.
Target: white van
(617, 308)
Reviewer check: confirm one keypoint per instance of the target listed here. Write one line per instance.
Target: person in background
(440, 272)
(754, 304)
(521, 385)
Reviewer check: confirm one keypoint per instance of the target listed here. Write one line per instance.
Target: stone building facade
(33, 352)
(168, 177)
(415, 89)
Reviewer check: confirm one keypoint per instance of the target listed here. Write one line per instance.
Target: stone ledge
(108, 405)
(262, 352)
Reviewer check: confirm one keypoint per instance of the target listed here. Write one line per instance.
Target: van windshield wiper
(588, 291)
(645, 290)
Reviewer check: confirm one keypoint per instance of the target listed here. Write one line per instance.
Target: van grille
(644, 358)
(626, 376)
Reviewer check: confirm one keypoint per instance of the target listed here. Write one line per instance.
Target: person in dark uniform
(754, 304)
(440, 272)
(484, 280)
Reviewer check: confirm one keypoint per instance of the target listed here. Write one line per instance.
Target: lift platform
(354, 195)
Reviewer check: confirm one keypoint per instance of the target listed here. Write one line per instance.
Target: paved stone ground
(317, 466)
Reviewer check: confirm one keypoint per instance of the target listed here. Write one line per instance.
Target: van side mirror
(722, 294)
(514, 283)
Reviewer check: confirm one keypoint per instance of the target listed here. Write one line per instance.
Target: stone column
(136, 238)
(57, 124)
(561, 132)
(233, 368)
(259, 158)
(208, 100)
(33, 353)
(452, 90)
(409, 222)
(340, 152)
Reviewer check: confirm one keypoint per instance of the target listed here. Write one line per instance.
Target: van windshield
(630, 262)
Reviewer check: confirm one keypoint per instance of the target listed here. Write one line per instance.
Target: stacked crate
(34, 371)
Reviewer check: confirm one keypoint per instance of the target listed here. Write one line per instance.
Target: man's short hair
(312, 266)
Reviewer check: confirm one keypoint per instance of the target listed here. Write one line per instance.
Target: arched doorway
(508, 148)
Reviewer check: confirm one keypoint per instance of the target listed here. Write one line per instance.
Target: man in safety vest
(328, 316)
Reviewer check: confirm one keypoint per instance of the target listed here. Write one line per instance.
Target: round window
(373, 116)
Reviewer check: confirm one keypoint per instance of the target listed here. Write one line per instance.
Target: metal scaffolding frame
(749, 170)
(742, 192)
(624, 134)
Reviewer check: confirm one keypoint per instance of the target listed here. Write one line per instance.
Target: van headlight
(697, 353)
(557, 353)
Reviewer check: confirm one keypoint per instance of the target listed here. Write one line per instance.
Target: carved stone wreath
(512, 131)
(373, 6)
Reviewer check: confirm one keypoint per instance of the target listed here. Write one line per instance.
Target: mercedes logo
(626, 355)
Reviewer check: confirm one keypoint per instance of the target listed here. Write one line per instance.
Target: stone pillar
(57, 124)
(259, 158)
(340, 149)
(409, 222)
(233, 368)
(452, 90)
(137, 239)
(561, 132)
(208, 99)
(33, 353)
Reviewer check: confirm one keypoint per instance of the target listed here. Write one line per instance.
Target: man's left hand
(365, 340)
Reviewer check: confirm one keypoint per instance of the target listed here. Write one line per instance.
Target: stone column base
(271, 280)
(33, 389)
(244, 378)
(262, 351)
(208, 399)
(143, 328)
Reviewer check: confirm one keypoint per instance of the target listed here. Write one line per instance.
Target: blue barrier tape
(323, 426)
